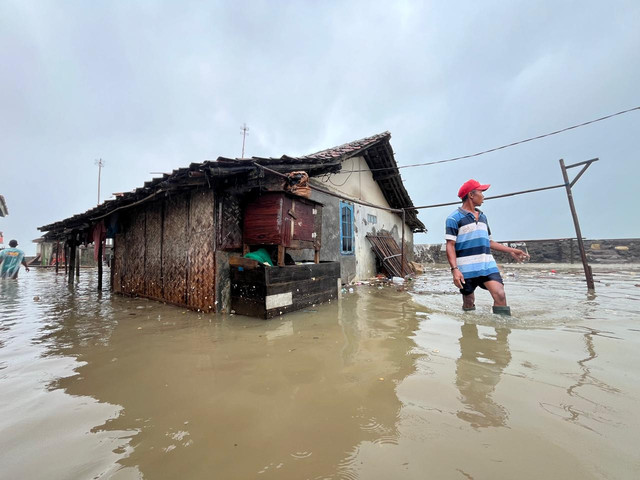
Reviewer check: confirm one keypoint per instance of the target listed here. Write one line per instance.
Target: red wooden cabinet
(283, 219)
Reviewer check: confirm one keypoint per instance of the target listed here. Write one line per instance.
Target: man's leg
(469, 301)
(496, 289)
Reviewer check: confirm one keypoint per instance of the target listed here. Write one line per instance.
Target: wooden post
(587, 269)
(100, 266)
(281, 250)
(66, 257)
(57, 256)
(72, 261)
(112, 262)
(316, 256)
(402, 244)
(78, 261)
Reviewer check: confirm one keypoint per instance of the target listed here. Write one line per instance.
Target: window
(346, 228)
(372, 219)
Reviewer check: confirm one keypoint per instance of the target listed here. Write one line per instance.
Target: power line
(538, 137)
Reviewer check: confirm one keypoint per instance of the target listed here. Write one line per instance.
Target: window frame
(349, 207)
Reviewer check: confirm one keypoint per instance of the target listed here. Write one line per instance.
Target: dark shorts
(470, 284)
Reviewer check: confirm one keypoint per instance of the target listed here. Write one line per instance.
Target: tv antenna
(244, 131)
(100, 164)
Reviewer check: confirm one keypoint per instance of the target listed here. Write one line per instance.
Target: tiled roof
(350, 149)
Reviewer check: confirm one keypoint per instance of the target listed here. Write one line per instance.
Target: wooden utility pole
(583, 255)
(244, 131)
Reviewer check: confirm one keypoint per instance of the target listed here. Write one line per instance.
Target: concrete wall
(361, 186)
(562, 250)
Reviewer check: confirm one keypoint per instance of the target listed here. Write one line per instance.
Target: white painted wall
(361, 186)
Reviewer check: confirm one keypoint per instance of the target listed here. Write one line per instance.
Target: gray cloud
(152, 86)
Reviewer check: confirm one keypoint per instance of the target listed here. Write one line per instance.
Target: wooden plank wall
(166, 251)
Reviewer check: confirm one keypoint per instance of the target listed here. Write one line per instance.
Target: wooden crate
(266, 292)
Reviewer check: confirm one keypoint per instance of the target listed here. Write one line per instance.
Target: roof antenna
(244, 131)
(100, 164)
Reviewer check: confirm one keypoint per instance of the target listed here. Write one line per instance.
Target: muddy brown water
(384, 384)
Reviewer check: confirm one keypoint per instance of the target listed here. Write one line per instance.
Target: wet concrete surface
(386, 383)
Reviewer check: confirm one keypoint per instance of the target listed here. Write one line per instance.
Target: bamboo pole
(57, 256)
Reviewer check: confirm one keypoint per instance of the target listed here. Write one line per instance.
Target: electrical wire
(345, 180)
(484, 152)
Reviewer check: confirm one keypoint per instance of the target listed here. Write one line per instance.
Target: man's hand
(519, 255)
(458, 278)
(26, 268)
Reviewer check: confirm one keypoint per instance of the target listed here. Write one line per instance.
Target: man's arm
(518, 255)
(458, 278)
(24, 262)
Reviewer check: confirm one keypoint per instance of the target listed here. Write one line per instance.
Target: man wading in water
(11, 258)
(469, 247)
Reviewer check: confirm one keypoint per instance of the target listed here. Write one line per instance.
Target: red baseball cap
(471, 185)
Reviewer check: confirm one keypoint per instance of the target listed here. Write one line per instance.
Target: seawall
(558, 250)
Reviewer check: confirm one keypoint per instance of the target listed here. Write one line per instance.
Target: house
(173, 238)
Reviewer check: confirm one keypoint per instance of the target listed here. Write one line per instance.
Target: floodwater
(383, 384)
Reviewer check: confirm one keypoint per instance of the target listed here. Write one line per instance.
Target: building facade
(173, 237)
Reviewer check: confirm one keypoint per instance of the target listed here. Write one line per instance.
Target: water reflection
(478, 371)
(374, 386)
(232, 395)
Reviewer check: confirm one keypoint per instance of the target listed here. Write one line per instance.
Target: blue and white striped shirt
(472, 243)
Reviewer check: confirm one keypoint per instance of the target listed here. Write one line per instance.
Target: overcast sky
(150, 86)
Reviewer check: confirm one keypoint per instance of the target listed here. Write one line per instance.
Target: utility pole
(244, 131)
(100, 164)
(568, 184)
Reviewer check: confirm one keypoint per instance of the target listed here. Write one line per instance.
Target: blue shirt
(473, 240)
(11, 260)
